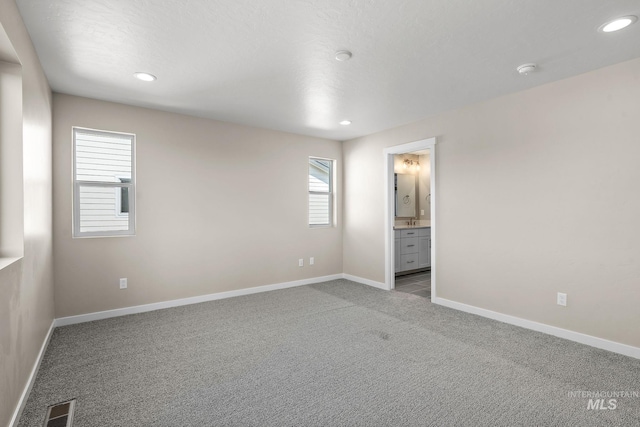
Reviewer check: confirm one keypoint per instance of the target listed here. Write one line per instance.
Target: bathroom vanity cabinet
(412, 248)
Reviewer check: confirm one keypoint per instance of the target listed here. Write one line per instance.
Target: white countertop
(422, 224)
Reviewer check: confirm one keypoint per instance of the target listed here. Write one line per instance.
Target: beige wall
(26, 297)
(219, 207)
(537, 193)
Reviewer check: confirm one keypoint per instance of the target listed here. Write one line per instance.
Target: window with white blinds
(103, 183)
(320, 192)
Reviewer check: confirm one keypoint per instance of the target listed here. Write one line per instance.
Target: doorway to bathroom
(410, 241)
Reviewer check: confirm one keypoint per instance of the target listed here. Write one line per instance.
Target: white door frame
(389, 216)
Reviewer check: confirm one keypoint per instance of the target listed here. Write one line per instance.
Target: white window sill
(7, 261)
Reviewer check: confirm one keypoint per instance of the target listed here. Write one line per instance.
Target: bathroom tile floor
(416, 284)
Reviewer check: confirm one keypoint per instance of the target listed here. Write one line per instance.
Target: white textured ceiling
(270, 63)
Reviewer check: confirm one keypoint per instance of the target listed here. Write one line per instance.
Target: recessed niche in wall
(11, 145)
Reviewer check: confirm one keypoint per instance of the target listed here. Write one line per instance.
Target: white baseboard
(32, 376)
(592, 341)
(364, 281)
(81, 318)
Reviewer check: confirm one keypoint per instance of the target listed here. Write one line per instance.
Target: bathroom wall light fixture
(408, 163)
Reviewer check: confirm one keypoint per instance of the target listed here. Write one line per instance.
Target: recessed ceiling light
(525, 69)
(618, 24)
(145, 77)
(343, 55)
(345, 122)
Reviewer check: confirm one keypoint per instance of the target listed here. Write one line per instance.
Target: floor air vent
(60, 414)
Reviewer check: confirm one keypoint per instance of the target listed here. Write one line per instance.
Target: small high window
(103, 183)
(320, 192)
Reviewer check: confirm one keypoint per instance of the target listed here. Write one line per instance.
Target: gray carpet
(331, 354)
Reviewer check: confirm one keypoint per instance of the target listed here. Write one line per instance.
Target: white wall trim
(364, 281)
(32, 377)
(81, 318)
(581, 338)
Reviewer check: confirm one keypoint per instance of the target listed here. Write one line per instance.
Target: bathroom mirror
(405, 189)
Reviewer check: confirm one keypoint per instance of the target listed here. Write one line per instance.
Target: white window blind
(104, 183)
(320, 192)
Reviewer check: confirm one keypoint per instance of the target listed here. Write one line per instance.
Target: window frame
(131, 229)
(330, 193)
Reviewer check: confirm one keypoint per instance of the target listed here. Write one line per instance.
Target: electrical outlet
(421, 211)
(123, 283)
(312, 261)
(562, 299)
(301, 262)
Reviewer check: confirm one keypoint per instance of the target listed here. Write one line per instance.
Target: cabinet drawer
(409, 245)
(424, 232)
(412, 232)
(409, 261)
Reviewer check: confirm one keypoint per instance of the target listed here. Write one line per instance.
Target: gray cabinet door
(425, 252)
(398, 256)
